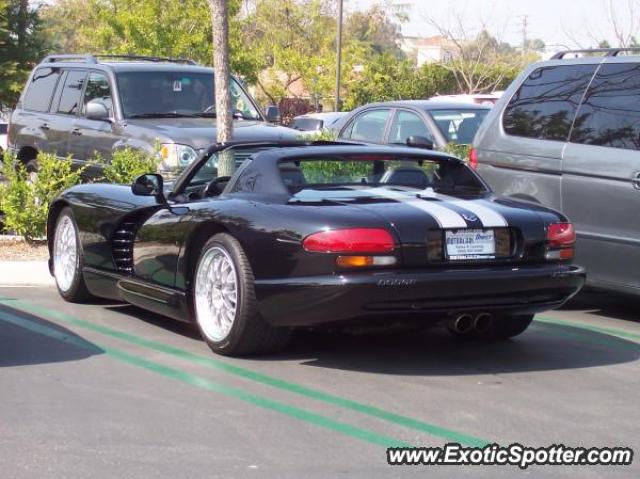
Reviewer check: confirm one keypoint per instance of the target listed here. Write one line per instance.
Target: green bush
(457, 149)
(320, 135)
(25, 198)
(127, 164)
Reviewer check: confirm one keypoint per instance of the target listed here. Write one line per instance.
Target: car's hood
(201, 132)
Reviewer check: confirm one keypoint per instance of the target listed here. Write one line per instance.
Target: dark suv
(87, 105)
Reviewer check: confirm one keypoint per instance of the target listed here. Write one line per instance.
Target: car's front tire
(68, 259)
(225, 304)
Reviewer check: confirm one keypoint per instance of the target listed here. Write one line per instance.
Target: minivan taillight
(561, 238)
(352, 240)
(473, 158)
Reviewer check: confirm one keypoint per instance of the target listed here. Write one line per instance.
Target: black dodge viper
(253, 240)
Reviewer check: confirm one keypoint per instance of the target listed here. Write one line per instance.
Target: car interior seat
(292, 177)
(467, 130)
(407, 176)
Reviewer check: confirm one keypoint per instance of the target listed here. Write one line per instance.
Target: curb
(25, 273)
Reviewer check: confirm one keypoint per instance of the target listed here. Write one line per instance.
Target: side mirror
(272, 113)
(150, 184)
(420, 142)
(96, 110)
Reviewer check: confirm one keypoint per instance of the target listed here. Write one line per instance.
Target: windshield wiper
(205, 114)
(166, 114)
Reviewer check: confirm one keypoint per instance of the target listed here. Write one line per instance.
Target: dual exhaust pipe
(466, 323)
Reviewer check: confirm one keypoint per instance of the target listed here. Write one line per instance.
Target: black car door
(157, 243)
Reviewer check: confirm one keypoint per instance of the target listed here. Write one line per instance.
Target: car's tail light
(561, 238)
(473, 158)
(364, 261)
(352, 240)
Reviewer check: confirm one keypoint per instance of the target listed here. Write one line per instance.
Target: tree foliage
(285, 48)
(21, 45)
(386, 78)
(141, 27)
(376, 29)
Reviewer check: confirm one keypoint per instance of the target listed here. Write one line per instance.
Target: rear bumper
(433, 294)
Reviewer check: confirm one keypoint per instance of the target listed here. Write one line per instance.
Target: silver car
(566, 134)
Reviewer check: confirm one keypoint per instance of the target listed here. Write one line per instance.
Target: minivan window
(70, 98)
(97, 89)
(545, 104)
(610, 112)
(38, 96)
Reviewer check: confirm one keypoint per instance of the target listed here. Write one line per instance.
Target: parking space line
(294, 388)
(204, 383)
(596, 329)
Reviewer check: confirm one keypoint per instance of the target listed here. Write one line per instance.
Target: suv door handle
(45, 126)
(635, 181)
(76, 131)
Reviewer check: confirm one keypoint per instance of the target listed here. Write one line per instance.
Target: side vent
(122, 247)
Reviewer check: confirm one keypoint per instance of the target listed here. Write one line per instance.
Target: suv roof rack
(69, 58)
(607, 52)
(186, 61)
(94, 58)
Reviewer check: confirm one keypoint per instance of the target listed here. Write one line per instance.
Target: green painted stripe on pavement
(362, 408)
(201, 382)
(596, 329)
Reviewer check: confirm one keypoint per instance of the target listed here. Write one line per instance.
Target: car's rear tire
(68, 259)
(225, 304)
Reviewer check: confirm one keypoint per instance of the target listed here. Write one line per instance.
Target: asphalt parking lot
(108, 390)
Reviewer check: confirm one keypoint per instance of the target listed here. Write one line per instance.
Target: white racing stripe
(445, 217)
(488, 217)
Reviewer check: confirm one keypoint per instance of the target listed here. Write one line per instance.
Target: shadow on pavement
(436, 353)
(605, 304)
(182, 328)
(27, 340)
(544, 346)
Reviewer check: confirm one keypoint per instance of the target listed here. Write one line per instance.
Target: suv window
(368, 126)
(38, 96)
(178, 93)
(98, 90)
(70, 98)
(406, 124)
(610, 112)
(545, 105)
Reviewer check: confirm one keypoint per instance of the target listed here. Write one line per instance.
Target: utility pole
(525, 24)
(338, 54)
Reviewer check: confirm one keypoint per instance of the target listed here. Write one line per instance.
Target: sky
(559, 23)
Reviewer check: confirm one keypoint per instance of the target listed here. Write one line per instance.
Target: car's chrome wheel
(65, 254)
(216, 293)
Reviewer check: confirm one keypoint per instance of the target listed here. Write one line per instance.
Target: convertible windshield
(305, 178)
(173, 94)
